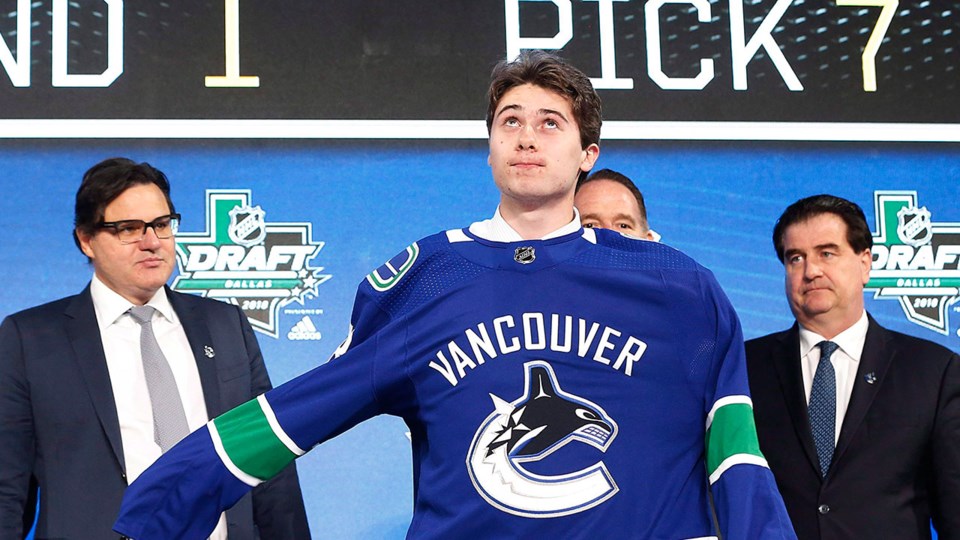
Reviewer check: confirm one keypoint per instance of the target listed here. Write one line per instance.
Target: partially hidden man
(860, 425)
(608, 199)
(94, 387)
(558, 382)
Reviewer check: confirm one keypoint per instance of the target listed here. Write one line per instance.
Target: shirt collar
(110, 306)
(496, 229)
(850, 341)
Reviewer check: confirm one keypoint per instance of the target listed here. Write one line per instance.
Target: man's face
(606, 204)
(535, 151)
(135, 271)
(824, 276)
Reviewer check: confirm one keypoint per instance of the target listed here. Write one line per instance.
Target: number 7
(869, 57)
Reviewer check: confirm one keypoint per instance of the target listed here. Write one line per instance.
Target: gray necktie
(169, 420)
(823, 407)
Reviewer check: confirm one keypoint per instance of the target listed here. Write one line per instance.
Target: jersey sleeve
(183, 493)
(745, 495)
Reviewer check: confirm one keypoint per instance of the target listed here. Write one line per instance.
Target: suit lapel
(875, 359)
(198, 334)
(84, 335)
(786, 359)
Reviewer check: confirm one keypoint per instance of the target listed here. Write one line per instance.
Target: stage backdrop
(309, 143)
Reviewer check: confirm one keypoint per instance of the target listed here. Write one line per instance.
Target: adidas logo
(303, 330)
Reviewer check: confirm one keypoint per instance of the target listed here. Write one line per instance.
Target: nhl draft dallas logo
(242, 259)
(915, 260)
(529, 429)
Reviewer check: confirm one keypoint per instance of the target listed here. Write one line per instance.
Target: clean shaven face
(606, 204)
(134, 271)
(824, 276)
(535, 151)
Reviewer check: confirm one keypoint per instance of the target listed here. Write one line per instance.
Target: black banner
(660, 60)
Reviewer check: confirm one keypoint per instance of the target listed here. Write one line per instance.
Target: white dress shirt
(845, 360)
(496, 229)
(120, 336)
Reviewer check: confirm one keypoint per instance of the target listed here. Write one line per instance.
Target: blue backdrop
(365, 201)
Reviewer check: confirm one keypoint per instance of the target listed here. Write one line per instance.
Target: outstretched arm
(746, 499)
(182, 494)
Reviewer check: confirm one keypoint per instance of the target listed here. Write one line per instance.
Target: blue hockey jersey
(586, 386)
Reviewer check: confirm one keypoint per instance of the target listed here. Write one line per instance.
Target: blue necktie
(823, 407)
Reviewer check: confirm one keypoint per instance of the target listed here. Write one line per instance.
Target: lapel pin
(871, 378)
(208, 351)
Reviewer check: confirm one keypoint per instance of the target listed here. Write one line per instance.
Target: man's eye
(127, 229)
(511, 122)
(624, 226)
(551, 124)
(589, 225)
(162, 226)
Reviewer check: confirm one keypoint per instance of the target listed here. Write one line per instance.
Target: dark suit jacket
(897, 461)
(58, 420)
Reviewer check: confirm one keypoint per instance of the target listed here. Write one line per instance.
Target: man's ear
(84, 240)
(590, 155)
(866, 262)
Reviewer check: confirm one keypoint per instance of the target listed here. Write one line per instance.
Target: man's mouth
(527, 164)
(152, 261)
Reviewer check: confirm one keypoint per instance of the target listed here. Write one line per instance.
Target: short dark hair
(622, 179)
(106, 181)
(858, 232)
(550, 72)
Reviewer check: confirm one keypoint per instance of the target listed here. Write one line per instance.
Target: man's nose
(811, 269)
(527, 138)
(150, 239)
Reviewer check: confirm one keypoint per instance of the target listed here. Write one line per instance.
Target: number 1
(232, 79)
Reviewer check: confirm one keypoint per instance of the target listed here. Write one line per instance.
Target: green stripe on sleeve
(733, 432)
(250, 442)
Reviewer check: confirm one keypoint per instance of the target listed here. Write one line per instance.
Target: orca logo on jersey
(531, 428)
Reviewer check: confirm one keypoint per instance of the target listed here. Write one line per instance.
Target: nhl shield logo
(247, 225)
(525, 255)
(913, 225)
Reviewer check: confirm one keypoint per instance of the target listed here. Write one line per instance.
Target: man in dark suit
(82, 413)
(860, 425)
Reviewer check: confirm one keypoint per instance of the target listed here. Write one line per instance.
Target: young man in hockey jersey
(557, 381)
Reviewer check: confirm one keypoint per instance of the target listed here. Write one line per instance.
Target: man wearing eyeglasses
(94, 387)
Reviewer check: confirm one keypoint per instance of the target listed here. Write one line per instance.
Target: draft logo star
(915, 260)
(243, 259)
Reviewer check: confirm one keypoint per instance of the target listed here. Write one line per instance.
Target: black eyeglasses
(131, 231)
